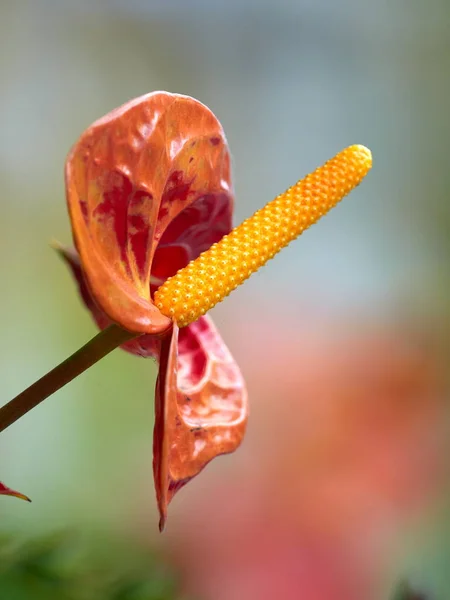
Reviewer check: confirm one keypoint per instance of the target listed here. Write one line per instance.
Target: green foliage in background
(406, 592)
(67, 568)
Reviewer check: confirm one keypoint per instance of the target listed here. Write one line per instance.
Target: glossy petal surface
(150, 181)
(200, 407)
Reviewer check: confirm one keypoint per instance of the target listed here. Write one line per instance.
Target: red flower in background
(148, 190)
(343, 451)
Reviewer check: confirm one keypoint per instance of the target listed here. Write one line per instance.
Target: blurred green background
(352, 317)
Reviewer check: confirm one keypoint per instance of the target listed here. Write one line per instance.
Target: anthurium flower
(6, 491)
(148, 190)
(150, 200)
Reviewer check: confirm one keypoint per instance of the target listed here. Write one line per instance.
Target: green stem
(101, 345)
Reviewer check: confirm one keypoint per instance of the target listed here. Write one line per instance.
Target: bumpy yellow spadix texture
(204, 282)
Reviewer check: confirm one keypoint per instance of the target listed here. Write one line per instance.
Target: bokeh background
(341, 487)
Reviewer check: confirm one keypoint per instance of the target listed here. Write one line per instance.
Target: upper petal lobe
(157, 161)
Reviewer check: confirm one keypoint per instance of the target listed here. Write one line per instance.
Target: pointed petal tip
(55, 245)
(21, 496)
(162, 523)
(61, 249)
(6, 491)
(68, 254)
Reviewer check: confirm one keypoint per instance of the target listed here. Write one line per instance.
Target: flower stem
(101, 345)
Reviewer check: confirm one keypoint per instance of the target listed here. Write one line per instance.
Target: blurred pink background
(345, 451)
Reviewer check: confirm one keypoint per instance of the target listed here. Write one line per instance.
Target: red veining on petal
(193, 368)
(139, 228)
(176, 190)
(114, 207)
(84, 211)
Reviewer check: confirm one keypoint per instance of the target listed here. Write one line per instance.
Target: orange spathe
(204, 282)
